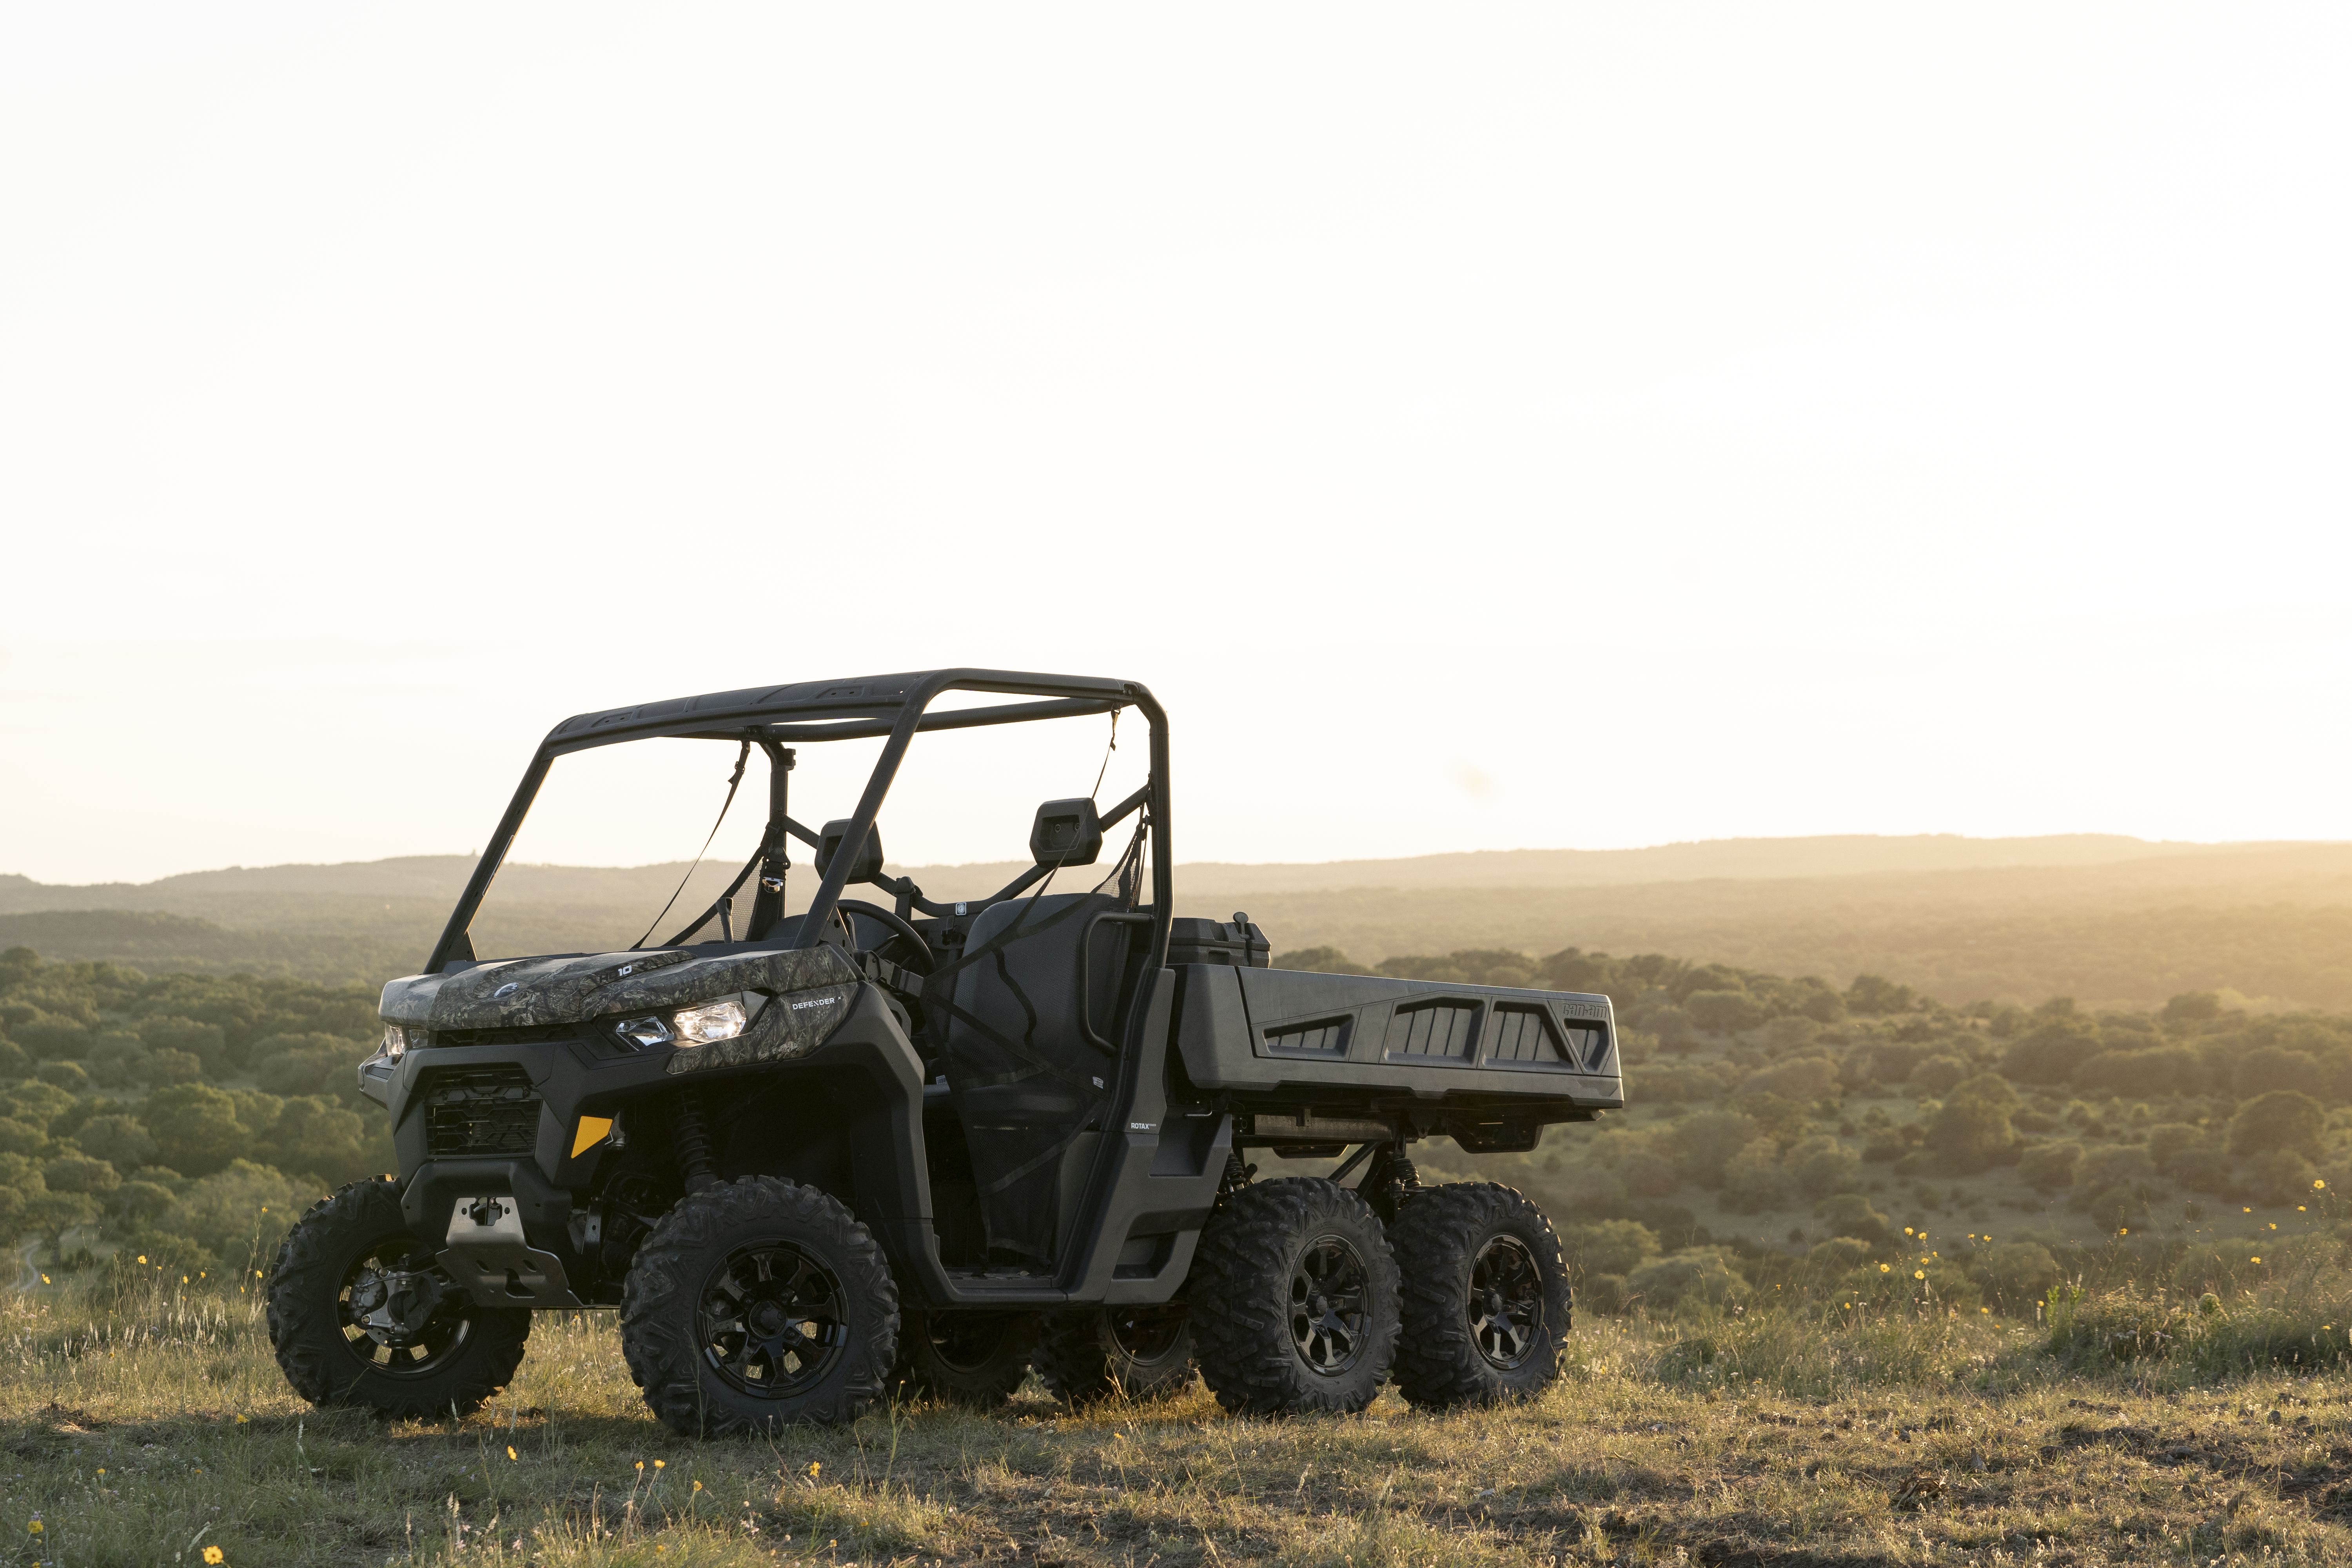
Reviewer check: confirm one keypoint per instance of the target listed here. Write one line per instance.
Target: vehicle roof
(839, 704)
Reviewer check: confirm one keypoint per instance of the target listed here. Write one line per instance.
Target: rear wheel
(966, 1358)
(755, 1304)
(359, 1313)
(1485, 1300)
(1092, 1353)
(1294, 1299)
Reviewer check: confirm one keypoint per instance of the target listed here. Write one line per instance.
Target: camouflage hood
(512, 993)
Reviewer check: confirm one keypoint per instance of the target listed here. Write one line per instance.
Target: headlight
(717, 1021)
(396, 1042)
(645, 1033)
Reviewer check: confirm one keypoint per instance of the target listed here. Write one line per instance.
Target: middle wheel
(1092, 1353)
(1294, 1299)
(965, 1357)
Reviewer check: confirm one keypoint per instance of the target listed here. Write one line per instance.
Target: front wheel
(1486, 1299)
(360, 1314)
(755, 1304)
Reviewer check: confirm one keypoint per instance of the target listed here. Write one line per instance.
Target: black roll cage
(895, 706)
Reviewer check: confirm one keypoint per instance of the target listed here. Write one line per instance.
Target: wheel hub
(772, 1320)
(1327, 1287)
(1506, 1304)
(397, 1313)
(1146, 1335)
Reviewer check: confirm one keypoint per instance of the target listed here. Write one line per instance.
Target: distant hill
(2107, 919)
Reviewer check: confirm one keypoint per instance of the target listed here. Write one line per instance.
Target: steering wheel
(898, 924)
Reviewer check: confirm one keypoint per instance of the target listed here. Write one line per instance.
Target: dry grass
(161, 1430)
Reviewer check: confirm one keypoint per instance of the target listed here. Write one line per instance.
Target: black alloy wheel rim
(1327, 1289)
(399, 1313)
(772, 1321)
(967, 1341)
(1506, 1304)
(1145, 1335)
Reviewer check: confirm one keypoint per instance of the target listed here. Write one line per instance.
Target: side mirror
(868, 864)
(1068, 833)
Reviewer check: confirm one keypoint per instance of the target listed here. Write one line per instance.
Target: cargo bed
(1248, 1032)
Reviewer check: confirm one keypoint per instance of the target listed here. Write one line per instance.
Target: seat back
(1027, 1084)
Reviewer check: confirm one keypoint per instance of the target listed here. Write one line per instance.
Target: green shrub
(1852, 1214)
(1753, 1181)
(2014, 1274)
(240, 1210)
(2046, 1167)
(164, 1068)
(1970, 1134)
(1837, 1257)
(205, 1042)
(1937, 1075)
(50, 1036)
(1723, 1012)
(79, 1173)
(2051, 1051)
(120, 1140)
(1605, 1293)
(2282, 1118)
(1821, 1165)
(195, 1127)
(2279, 1176)
(1805, 1079)
(1703, 1143)
(71, 1076)
(1608, 1246)
(1695, 1278)
(34, 1103)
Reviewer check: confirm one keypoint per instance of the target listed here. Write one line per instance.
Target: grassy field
(162, 1431)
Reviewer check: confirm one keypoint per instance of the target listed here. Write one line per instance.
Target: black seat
(1027, 1084)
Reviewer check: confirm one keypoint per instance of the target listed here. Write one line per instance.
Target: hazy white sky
(1483, 427)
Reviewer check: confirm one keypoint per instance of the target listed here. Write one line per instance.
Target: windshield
(615, 829)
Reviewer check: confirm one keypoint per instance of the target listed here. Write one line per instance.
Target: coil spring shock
(693, 1136)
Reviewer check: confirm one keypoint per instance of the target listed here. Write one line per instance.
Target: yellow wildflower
(510, 1453)
(213, 1553)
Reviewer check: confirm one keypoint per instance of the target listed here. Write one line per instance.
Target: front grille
(480, 1110)
(511, 1034)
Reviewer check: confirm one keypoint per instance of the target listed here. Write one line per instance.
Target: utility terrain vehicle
(922, 1144)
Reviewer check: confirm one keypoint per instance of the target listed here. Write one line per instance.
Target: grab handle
(1085, 962)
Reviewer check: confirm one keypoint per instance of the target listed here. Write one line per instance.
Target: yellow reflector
(592, 1133)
